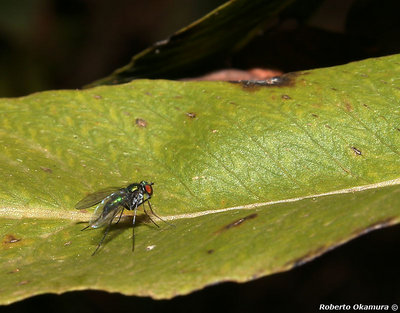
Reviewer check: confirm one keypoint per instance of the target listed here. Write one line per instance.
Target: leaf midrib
(43, 213)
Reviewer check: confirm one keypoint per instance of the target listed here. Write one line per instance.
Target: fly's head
(147, 189)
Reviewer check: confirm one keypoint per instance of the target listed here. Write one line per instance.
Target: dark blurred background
(64, 44)
(46, 44)
(69, 43)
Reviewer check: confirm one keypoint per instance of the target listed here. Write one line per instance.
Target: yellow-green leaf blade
(230, 150)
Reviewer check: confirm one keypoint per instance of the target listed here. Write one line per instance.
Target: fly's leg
(134, 215)
(144, 209)
(85, 227)
(106, 232)
(152, 212)
(102, 239)
(91, 223)
(119, 218)
(133, 227)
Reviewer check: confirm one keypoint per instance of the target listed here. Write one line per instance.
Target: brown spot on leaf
(356, 151)
(46, 169)
(346, 170)
(237, 223)
(349, 107)
(141, 122)
(9, 239)
(211, 251)
(191, 114)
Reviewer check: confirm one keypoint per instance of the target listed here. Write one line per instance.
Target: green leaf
(257, 177)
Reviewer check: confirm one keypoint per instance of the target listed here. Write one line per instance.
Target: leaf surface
(257, 177)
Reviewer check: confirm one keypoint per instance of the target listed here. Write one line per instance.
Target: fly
(112, 202)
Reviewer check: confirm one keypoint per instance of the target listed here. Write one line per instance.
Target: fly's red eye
(149, 189)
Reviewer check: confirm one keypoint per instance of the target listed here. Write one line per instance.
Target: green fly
(112, 202)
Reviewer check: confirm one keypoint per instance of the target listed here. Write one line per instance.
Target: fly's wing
(95, 198)
(107, 219)
(110, 207)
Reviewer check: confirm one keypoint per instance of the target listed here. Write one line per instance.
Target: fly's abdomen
(112, 204)
(109, 208)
